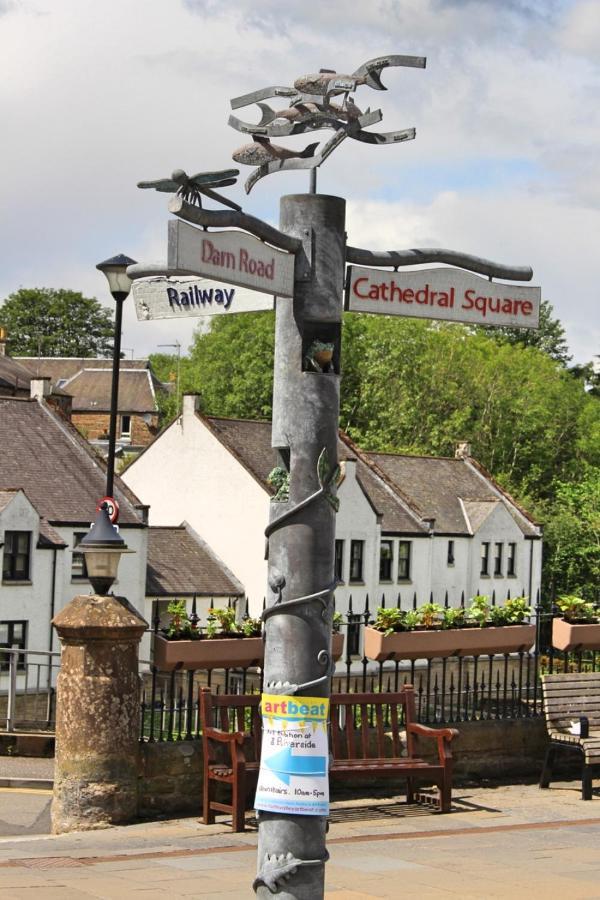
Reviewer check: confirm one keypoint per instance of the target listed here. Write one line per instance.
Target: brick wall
(94, 426)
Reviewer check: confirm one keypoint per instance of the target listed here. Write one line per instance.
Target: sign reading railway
(160, 297)
(454, 295)
(234, 257)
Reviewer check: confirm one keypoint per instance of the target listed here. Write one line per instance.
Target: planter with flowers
(224, 643)
(578, 627)
(431, 631)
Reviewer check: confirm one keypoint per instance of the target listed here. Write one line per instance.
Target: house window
(386, 558)
(498, 558)
(78, 566)
(16, 560)
(485, 558)
(356, 560)
(339, 560)
(403, 560)
(511, 560)
(450, 558)
(13, 636)
(125, 426)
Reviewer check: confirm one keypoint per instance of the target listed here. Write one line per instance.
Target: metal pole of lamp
(119, 285)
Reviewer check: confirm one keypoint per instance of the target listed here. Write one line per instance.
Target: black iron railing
(448, 690)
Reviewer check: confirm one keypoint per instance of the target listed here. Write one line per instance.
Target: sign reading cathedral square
(234, 257)
(454, 295)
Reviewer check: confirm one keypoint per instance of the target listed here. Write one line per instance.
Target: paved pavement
(499, 842)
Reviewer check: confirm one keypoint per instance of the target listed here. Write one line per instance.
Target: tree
(572, 537)
(49, 322)
(549, 337)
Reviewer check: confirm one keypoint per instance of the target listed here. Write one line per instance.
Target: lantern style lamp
(102, 547)
(119, 284)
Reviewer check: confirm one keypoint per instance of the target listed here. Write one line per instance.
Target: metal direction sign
(160, 297)
(442, 293)
(294, 756)
(234, 257)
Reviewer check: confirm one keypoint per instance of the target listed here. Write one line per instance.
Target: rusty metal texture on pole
(301, 532)
(437, 255)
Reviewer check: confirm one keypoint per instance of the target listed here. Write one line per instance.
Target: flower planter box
(452, 642)
(567, 636)
(214, 653)
(337, 645)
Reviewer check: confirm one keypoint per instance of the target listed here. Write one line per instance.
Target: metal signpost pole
(301, 532)
(303, 265)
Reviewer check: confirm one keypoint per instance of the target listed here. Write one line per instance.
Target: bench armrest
(442, 736)
(224, 737)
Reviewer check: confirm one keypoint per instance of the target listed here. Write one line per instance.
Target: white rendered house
(414, 526)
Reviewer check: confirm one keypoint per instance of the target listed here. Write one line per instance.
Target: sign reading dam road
(234, 257)
(442, 293)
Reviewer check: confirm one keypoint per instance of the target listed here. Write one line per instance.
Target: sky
(96, 96)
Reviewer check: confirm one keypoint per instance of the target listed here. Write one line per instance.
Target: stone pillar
(97, 714)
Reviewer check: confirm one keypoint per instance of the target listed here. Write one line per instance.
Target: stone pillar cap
(95, 618)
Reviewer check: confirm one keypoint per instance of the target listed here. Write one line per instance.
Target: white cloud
(97, 96)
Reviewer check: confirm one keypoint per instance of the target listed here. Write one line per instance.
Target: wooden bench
(572, 698)
(365, 740)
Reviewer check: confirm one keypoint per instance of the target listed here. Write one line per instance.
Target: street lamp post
(119, 285)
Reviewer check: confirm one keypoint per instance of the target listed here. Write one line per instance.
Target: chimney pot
(463, 450)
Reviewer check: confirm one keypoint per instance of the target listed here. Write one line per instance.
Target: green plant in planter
(515, 611)
(279, 478)
(453, 617)
(338, 621)
(221, 621)
(389, 620)
(479, 611)
(180, 627)
(576, 609)
(251, 627)
(430, 615)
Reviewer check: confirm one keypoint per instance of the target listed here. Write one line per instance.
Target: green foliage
(549, 337)
(180, 627)
(338, 621)
(453, 617)
(478, 612)
(572, 536)
(576, 609)
(49, 322)
(389, 620)
(222, 621)
(251, 627)
(279, 479)
(430, 615)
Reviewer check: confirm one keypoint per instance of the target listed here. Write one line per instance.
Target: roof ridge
(413, 455)
(412, 507)
(484, 473)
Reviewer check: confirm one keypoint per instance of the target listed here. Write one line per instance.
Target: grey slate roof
(56, 367)
(91, 389)
(60, 473)
(405, 491)
(181, 564)
(14, 377)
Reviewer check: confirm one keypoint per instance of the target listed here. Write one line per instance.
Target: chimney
(191, 404)
(462, 450)
(3, 339)
(40, 388)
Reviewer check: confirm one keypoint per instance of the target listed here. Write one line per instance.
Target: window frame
(11, 644)
(404, 561)
(390, 561)
(124, 433)
(511, 560)
(360, 558)
(484, 569)
(498, 558)
(12, 577)
(338, 560)
(450, 557)
(76, 554)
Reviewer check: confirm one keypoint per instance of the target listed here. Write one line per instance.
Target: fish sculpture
(327, 82)
(190, 187)
(276, 869)
(262, 152)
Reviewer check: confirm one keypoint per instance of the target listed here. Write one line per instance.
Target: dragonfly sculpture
(311, 108)
(192, 187)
